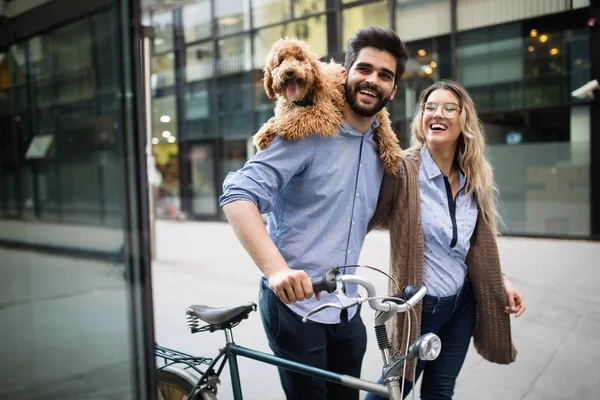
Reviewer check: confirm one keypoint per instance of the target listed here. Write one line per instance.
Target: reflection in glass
(304, 8)
(312, 30)
(163, 70)
(266, 12)
(199, 61)
(66, 323)
(232, 16)
(162, 22)
(354, 18)
(197, 21)
(204, 196)
(234, 54)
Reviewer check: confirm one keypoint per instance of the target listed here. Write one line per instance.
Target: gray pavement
(557, 338)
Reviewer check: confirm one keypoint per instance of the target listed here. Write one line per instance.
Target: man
(319, 193)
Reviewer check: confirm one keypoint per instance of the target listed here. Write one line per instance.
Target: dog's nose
(290, 72)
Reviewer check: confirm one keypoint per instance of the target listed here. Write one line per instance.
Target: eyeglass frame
(458, 109)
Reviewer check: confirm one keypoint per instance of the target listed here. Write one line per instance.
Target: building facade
(519, 59)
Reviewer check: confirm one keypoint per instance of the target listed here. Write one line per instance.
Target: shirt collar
(432, 170)
(350, 130)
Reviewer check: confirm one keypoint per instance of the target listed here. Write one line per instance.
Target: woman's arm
(388, 194)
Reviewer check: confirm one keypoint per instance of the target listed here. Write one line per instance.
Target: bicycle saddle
(221, 315)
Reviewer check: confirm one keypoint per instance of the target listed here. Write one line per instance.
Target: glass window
(541, 165)
(76, 303)
(202, 185)
(199, 61)
(162, 70)
(162, 22)
(232, 16)
(200, 113)
(164, 119)
(233, 156)
(197, 21)
(303, 8)
(234, 54)
(514, 66)
(235, 109)
(266, 12)
(429, 61)
(354, 18)
(312, 30)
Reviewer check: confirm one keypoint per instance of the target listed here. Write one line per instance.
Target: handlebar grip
(326, 283)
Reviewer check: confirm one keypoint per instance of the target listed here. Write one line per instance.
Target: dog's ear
(319, 79)
(268, 82)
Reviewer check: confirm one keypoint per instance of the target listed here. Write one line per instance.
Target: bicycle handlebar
(332, 282)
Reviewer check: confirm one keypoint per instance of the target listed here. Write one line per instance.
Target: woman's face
(441, 118)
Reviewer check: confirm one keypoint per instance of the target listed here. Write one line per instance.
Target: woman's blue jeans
(452, 319)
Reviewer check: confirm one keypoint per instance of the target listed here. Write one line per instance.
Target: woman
(441, 212)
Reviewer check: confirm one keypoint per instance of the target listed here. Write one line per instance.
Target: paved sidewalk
(557, 338)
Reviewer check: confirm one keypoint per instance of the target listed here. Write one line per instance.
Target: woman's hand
(516, 302)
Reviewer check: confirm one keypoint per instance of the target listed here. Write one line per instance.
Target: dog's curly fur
(317, 104)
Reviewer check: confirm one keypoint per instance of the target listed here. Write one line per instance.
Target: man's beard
(364, 111)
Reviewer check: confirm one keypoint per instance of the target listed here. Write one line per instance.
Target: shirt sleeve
(267, 173)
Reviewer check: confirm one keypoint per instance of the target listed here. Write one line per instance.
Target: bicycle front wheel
(171, 386)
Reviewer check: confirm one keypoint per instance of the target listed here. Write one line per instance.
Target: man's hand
(516, 302)
(291, 285)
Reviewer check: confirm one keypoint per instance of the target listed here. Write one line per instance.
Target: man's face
(370, 81)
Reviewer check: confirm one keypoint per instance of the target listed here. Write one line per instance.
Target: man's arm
(249, 192)
(290, 285)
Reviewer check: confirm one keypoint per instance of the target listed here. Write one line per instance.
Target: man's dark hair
(381, 39)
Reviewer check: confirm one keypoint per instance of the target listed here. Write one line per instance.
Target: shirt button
(356, 194)
(348, 251)
(352, 222)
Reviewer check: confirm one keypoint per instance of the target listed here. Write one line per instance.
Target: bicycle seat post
(228, 336)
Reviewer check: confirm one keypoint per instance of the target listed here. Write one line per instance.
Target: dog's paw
(265, 135)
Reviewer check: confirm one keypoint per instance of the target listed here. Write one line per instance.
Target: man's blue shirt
(319, 194)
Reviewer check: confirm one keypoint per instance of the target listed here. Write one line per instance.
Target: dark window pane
(235, 111)
(200, 115)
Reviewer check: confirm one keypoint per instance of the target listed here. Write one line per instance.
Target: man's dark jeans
(452, 319)
(337, 347)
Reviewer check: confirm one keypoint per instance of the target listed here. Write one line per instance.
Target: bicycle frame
(230, 353)
(391, 365)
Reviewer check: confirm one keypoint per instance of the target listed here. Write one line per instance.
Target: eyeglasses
(449, 110)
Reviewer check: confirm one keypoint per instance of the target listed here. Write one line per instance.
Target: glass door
(203, 190)
(75, 282)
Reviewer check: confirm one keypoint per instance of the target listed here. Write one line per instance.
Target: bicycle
(197, 378)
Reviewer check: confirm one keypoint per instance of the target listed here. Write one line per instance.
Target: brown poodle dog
(310, 100)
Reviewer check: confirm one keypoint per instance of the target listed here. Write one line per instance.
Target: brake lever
(344, 301)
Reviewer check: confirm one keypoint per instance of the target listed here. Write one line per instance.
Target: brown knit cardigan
(399, 202)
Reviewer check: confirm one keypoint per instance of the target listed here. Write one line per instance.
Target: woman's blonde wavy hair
(471, 150)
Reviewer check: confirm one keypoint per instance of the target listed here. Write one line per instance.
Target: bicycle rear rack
(173, 357)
